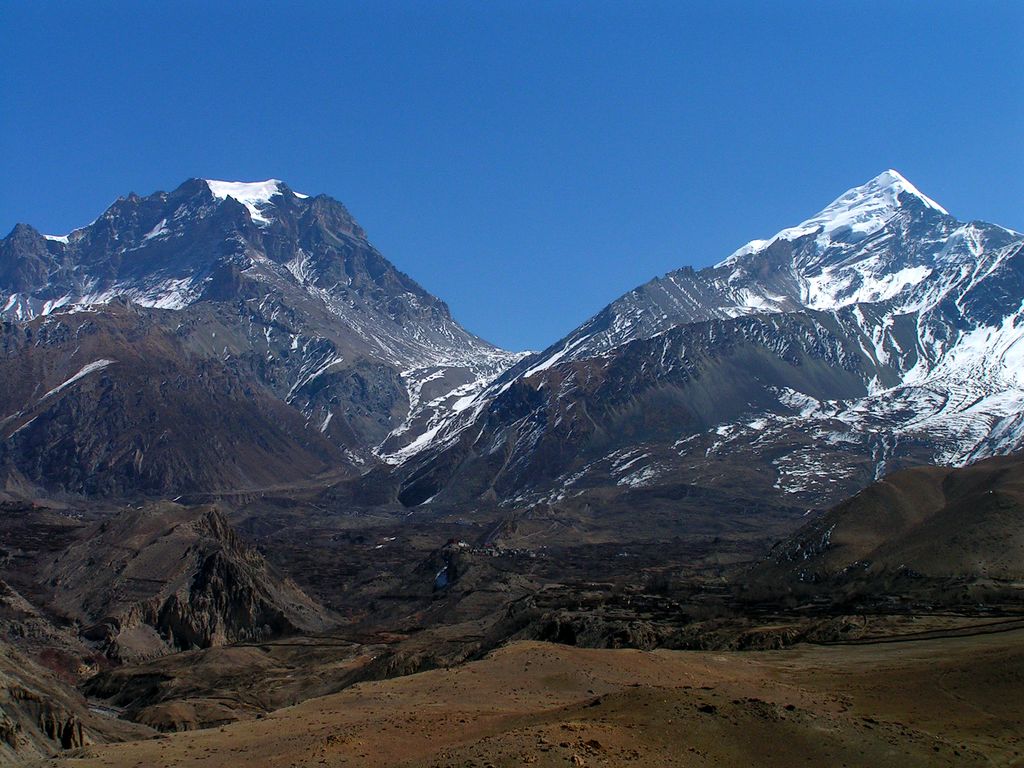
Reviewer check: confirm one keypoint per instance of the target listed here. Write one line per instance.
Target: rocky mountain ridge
(164, 578)
(923, 312)
(343, 364)
(280, 291)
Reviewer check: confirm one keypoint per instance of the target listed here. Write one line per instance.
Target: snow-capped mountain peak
(896, 333)
(856, 214)
(254, 195)
(875, 242)
(886, 187)
(862, 210)
(320, 310)
(894, 181)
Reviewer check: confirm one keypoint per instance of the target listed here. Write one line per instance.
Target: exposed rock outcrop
(40, 715)
(165, 578)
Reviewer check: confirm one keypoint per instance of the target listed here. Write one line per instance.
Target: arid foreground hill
(897, 639)
(947, 702)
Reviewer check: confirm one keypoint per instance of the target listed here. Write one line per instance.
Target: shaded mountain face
(950, 534)
(122, 400)
(880, 332)
(299, 333)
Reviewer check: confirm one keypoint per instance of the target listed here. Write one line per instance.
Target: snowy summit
(254, 195)
(857, 213)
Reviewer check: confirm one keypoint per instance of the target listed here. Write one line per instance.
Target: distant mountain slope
(963, 527)
(121, 400)
(282, 290)
(923, 317)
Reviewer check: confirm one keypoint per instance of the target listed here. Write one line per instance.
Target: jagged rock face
(880, 333)
(39, 715)
(163, 578)
(26, 259)
(268, 295)
(56, 724)
(44, 721)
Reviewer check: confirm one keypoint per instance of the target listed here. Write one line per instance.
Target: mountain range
(247, 462)
(241, 335)
(220, 335)
(881, 332)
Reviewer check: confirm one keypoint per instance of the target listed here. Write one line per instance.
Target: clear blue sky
(527, 162)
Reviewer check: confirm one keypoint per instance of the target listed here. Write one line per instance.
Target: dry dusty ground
(935, 702)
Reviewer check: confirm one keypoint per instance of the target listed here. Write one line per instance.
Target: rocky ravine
(40, 715)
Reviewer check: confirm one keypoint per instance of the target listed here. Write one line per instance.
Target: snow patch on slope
(858, 284)
(254, 195)
(97, 365)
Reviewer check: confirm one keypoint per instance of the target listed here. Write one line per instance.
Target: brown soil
(932, 702)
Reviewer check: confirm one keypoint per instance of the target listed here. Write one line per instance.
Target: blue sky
(527, 162)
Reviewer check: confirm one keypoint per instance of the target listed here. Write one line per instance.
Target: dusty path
(935, 702)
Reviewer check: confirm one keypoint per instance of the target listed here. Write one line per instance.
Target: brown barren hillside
(947, 702)
(929, 523)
